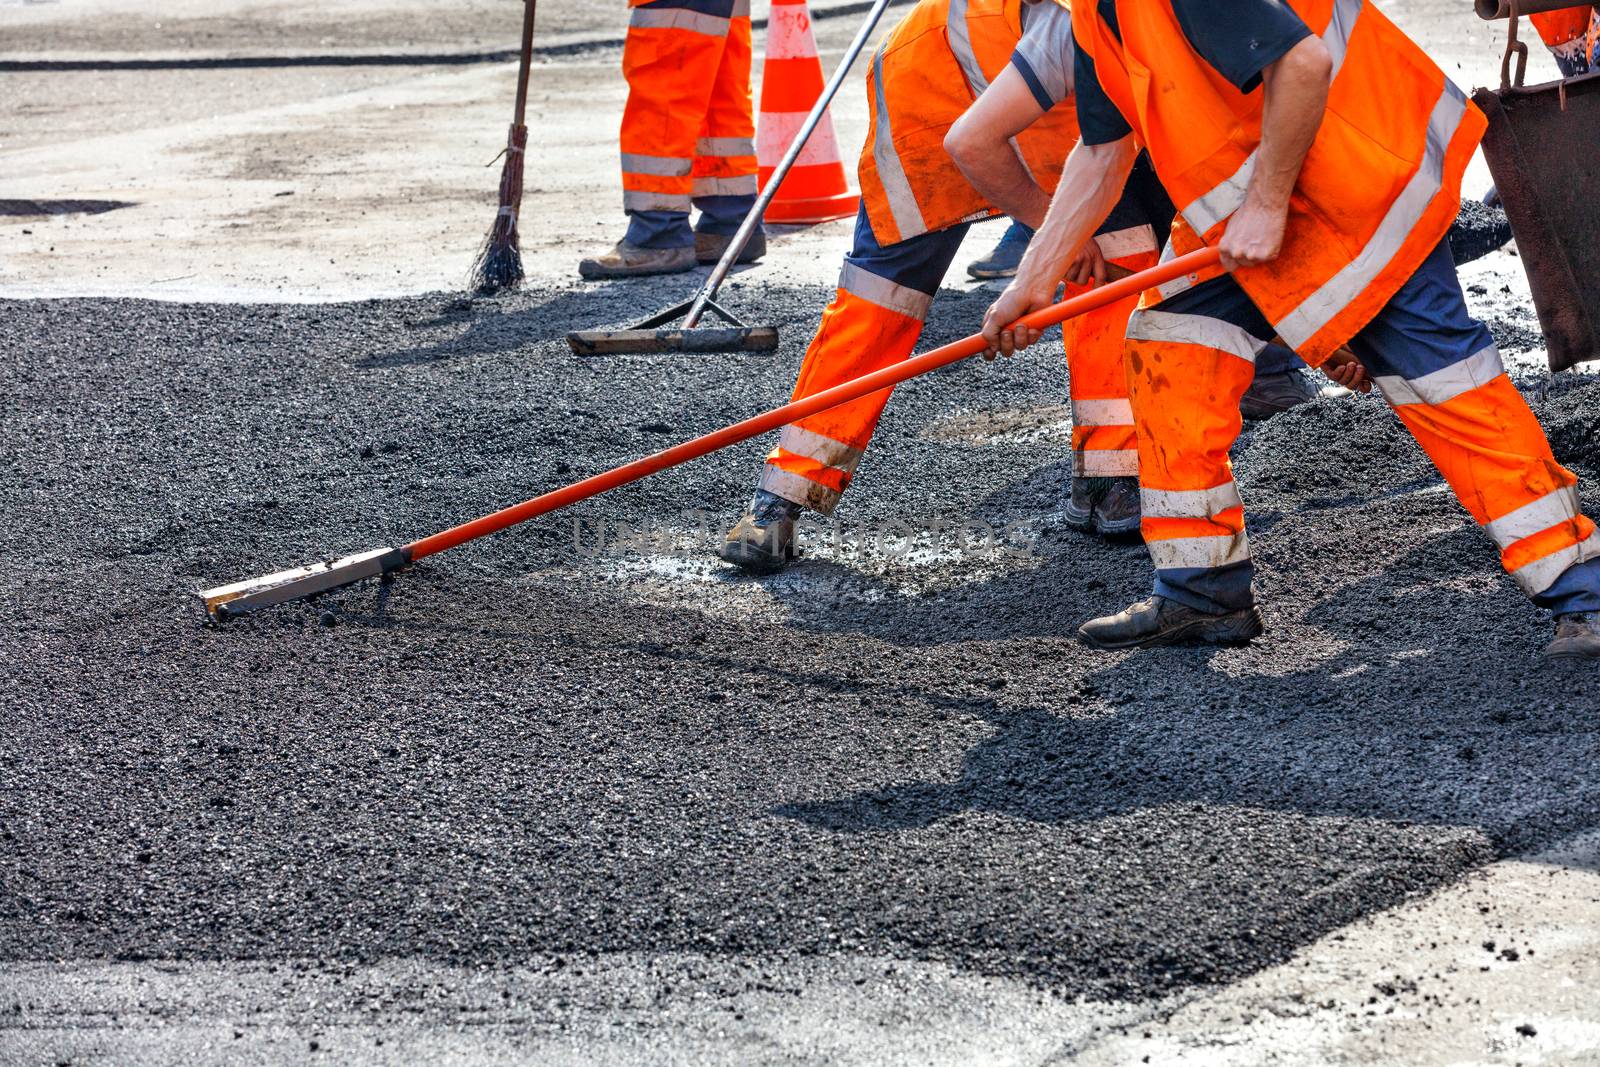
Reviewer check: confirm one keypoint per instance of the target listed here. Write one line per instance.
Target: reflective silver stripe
(1552, 509)
(961, 44)
(1190, 503)
(1189, 552)
(891, 296)
(1541, 574)
(632, 200)
(1211, 208)
(1180, 284)
(1168, 327)
(723, 147)
(678, 18)
(896, 189)
(825, 450)
(1129, 242)
(659, 166)
(741, 9)
(798, 490)
(1102, 413)
(1444, 384)
(744, 185)
(1301, 324)
(1207, 210)
(1106, 462)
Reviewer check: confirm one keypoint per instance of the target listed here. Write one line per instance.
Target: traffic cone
(815, 190)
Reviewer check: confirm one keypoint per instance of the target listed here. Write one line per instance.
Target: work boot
(1002, 262)
(1117, 512)
(1085, 493)
(1577, 637)
(709, 247)
(762, 541)
(1158, 621)
(631, 261)
(1272, 394)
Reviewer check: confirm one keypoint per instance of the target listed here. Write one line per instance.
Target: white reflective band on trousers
(1534, 578)
(1167, 327)
(1197, 553)
(657, 166)
(1444, 384)
(896, 188)
(1210, 208)
(725, 147)
(678, 18)
(1106, 462)
(634, 200)
(1133, 241)
(1116, 412)
(825, 450)
(1552, 509)
(1190, 503)
(744, 185)
(798, 490)
(891, 296)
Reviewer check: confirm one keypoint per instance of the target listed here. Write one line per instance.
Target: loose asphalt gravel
(529, 748)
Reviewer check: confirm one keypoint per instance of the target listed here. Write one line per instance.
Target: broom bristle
(499, 262)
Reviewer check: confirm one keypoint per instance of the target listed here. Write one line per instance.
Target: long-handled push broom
(654, 334)
(499, 263)
(228, 600)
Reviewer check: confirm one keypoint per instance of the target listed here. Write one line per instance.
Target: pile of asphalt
(524, 750)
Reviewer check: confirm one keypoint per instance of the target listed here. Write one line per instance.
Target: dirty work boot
(762, 541)
(1085, 494)
(1272, 394)
(1577, 637)
(631, 261)
(1002, 262)
(1158, 621)
(1117, 512)
(709, 247)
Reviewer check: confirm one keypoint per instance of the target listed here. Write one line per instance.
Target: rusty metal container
(1543, 148)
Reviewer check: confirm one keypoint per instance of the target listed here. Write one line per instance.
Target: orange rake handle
(1097, 297)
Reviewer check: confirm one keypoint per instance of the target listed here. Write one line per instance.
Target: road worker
(1321, 151)
(688, 138)
(925, 176)
(1573, 36)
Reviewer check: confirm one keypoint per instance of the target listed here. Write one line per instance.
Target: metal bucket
(1543, 148)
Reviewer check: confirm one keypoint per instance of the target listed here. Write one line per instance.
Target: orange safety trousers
(1190, 357)
(688, 130)
(875, 320)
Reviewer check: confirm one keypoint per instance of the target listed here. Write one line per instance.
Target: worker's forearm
(1091, 184)
(1296, 97)
(998, 174)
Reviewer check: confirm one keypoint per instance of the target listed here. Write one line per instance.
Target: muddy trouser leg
(1440, 370)
(1190, 358)
(671, 57)
(874, 321)
(724, 171)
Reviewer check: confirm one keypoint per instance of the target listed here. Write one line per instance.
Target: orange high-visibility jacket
(923, 78)
(1379, 188)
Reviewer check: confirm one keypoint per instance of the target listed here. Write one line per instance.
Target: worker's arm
(1296, 96)
(980, 145)
(1091, 185)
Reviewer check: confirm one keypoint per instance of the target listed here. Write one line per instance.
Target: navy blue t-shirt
(1238, 38)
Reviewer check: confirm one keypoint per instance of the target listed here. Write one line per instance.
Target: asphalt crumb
(523, 747)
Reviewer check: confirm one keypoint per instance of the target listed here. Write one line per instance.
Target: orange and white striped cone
(815, 189)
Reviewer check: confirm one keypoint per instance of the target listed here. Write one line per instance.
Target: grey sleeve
(1046, 54)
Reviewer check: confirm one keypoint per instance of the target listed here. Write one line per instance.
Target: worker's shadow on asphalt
(1448, 717)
